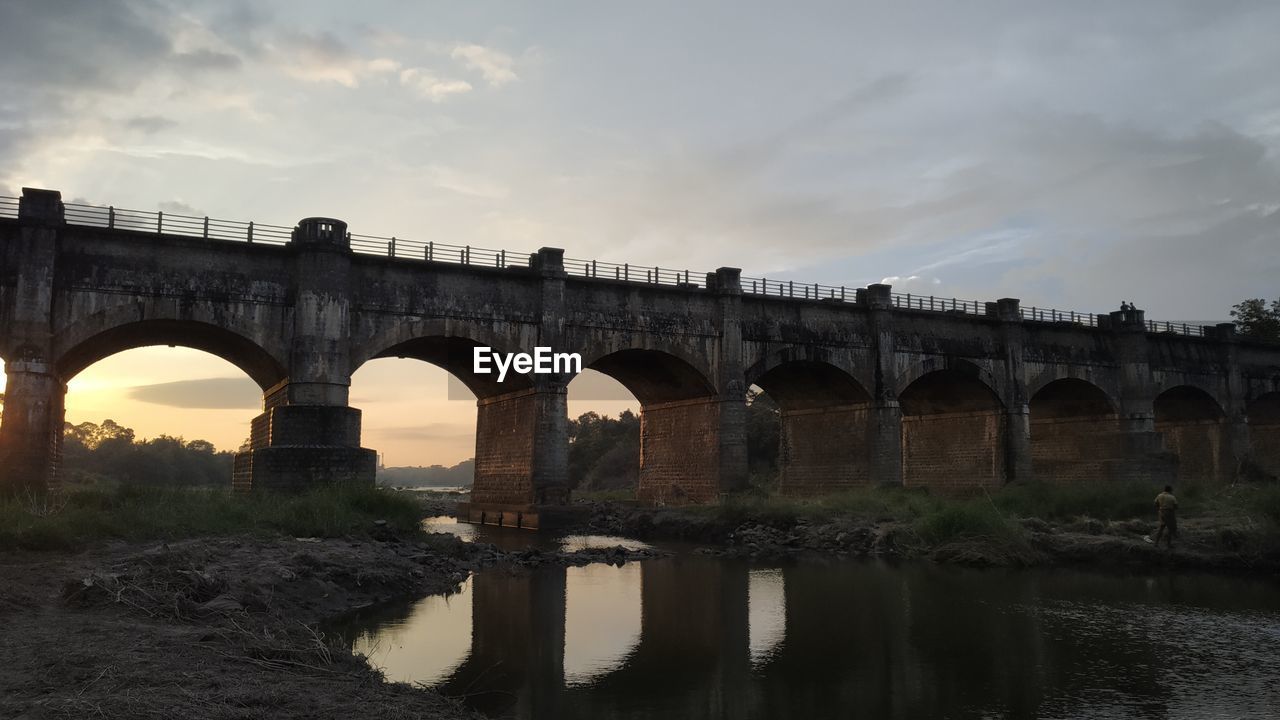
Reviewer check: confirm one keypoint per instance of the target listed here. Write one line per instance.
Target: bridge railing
(797, 290)
(1178, 328)
(1036, 314)
(204, 227)
(435, 252)
(163, 223)
(937, 304)
(627, 272)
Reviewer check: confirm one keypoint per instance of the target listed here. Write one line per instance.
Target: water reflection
(696, 637)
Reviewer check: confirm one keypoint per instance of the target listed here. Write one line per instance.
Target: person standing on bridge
(1167, 510)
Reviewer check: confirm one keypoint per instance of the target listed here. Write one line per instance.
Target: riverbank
(220, 626)
(1235, 529)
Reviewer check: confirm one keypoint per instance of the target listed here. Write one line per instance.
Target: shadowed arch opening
(236, 349)
(456, 355)
(1263, 415)
(953, 431)
(679, 447)
(1192, 426)
(1075, 433)
(654, 376)
(811, 384)
(823, 424)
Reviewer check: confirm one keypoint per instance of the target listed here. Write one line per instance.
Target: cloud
(203, 394)
(429, 85)
(149, 124)
(207, 60)
(177, 207)
(495, 66)
(321, 57)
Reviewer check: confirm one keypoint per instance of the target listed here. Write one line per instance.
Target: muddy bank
(1204, 544)
(223, 628)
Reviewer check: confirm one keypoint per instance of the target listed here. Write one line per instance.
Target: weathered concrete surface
(869, 393)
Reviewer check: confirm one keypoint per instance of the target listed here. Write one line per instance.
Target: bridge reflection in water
(696, 637)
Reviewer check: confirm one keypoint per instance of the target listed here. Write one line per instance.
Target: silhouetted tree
(1256, 320)
(93, 452)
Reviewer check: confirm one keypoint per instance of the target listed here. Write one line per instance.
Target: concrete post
(551, 422)
(1017, 441)
(885, 425)
(1145, 456)
(1239, 443)
(731, 381)
(31, 429)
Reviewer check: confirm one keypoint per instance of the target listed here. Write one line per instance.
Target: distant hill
(460, 475)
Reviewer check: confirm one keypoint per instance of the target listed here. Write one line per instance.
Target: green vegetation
(1250, 513)
(461, 475)
(79, 518)
(604, 453)
(1258, 320)
(109, 452)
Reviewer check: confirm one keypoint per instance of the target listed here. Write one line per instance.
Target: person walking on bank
(1167, 509)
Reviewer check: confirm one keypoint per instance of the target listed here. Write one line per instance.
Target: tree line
(110, 452)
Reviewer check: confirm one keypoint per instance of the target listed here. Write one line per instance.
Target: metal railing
(162, 223)
(627, 272)
(1178, 328)
(937, 304)
(795, 290)
(1036, 314)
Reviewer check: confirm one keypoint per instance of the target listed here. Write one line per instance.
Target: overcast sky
(1069, 154)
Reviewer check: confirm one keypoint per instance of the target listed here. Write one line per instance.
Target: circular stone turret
(321, 231)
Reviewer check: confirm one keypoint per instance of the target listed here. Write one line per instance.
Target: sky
(1068, 154)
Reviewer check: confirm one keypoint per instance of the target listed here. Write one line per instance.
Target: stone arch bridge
(874, 387)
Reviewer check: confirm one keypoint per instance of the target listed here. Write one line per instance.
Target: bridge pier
(521, 453)
(307, 435)
(31, 430)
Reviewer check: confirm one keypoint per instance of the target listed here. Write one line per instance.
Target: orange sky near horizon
(407, 414)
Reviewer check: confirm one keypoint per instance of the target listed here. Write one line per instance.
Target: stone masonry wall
(1201, 447)
(953, 451)
(680, 452)
(504, 449)
(1077, 449)
(824, 450)
(1265, 441)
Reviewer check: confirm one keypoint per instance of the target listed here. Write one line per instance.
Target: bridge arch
(108, 332)
(953, 431)
(455, 354)
(1075, 433)
(825, 426)
(679, 423)
(1193, 427)
(445, 342)
(78, 347)
(955, 368)
(1263, 416)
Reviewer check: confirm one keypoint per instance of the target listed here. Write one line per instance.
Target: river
(693, 636)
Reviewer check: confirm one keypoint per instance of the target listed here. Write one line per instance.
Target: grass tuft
(85, 516)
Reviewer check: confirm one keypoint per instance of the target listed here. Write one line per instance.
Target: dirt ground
(212, 628)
